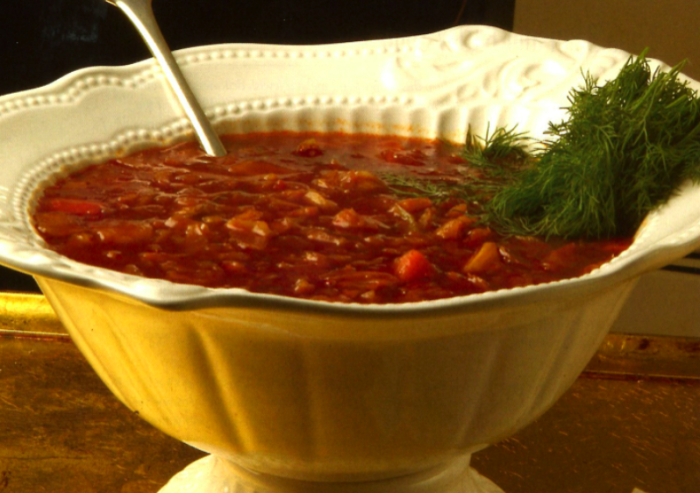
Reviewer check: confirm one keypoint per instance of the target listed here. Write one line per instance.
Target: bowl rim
(69, 89)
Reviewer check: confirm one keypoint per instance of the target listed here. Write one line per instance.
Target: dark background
(42, 40)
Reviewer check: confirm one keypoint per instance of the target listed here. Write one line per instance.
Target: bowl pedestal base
(214, 475)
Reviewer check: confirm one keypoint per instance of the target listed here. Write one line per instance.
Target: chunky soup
(305, 215)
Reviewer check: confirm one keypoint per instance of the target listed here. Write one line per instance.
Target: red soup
(299, 214)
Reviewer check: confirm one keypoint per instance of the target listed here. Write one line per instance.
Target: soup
(324, 216)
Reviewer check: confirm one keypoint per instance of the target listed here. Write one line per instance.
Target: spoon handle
(140, 13)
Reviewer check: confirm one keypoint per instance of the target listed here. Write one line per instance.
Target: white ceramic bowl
(297, 395)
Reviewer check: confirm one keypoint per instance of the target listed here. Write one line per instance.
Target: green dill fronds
(496, 151)
(497, 157)
(625, 149)
(409, 187)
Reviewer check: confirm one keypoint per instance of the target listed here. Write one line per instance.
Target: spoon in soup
(140, 13)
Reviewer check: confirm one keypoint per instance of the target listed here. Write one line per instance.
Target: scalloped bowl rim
(645, 254)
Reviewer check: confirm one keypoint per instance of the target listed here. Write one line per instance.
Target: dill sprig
(410, 187)
(494, 160)
(498, 154)
(626, 148)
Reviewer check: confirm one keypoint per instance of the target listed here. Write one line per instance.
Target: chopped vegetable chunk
(412, 266)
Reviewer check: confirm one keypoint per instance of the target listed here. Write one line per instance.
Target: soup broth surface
(309, 215)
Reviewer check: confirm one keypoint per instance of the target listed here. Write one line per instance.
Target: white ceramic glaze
(313, 391)
(214, 475)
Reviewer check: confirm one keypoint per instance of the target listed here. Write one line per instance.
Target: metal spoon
(140, 13)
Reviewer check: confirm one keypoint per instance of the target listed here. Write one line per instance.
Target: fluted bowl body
(334, 395)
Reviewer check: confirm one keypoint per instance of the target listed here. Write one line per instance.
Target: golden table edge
(631, 422)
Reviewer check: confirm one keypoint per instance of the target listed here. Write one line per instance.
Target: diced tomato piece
(322, 236)
(360, 180)
(485, 259)
(405, 216)
(560, 257)
(457, 210)
(249, 221)
(124, 232)
(58, 224)
(477, 236)
(415, 204)
(426, 219)
(454, 228)
(412, 266)
(74, 206)
(303, 287)
(248, 240)
(350, 219)
(323, 203)
(478, 282)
